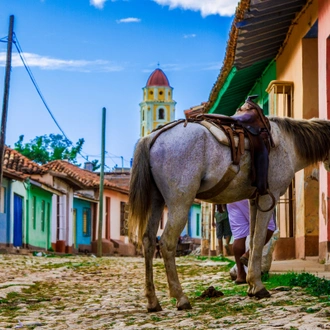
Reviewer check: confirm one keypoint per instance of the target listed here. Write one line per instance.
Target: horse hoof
(184, 306)
(263, 293)
(157, 308)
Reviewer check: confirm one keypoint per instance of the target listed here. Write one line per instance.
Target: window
(280, 98)
(198, 225)
(281, 104)
(123, 219)
(161, 114)
(34, 212)
(86, 222)
(43, 215)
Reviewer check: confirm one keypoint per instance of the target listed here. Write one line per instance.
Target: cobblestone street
(80, 292)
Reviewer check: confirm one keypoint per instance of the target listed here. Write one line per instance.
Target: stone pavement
(309, 265)
(84, 292)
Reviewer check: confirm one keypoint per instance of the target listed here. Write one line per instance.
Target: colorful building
(280, 51)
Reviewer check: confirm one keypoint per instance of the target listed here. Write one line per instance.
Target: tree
(46, 148)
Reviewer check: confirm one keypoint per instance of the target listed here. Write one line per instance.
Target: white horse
(186, 160)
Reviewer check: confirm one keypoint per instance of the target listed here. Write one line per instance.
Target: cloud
(99, 4)
(48, 63)
(192, 35)
(129, 20)
(206, 7)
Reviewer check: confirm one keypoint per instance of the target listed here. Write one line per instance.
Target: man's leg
(239, 249)
(220, 243)
(245, 256)
(227, 241)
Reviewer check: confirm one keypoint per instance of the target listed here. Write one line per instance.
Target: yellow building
(158, 106)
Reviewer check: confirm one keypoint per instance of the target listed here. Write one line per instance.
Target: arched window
(161, 114)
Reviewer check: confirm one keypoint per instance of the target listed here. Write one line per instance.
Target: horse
(185, 161)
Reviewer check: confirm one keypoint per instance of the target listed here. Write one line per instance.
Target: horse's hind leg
(177, 219)
(149, 244)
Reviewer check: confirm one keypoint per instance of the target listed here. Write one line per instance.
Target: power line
(20, 52)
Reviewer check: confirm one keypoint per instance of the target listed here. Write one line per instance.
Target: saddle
(249, 121)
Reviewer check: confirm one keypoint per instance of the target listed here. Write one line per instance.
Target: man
(240, 226)
(222, 227)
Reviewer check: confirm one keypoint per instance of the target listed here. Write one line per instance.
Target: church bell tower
(158, 106)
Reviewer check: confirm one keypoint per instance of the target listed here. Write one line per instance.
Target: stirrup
(271, 196)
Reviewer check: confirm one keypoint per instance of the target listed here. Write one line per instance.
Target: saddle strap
(231, 172)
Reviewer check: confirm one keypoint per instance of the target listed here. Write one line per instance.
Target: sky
(88, 54)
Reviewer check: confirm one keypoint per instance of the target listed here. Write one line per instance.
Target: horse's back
(184, 158)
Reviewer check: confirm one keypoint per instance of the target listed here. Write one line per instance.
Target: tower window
(161, 114)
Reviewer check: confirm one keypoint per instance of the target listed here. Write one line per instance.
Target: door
(74, 229)
(18, 220)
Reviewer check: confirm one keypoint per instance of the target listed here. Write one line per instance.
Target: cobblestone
(81, 292)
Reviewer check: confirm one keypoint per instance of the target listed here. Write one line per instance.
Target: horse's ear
(252, 97)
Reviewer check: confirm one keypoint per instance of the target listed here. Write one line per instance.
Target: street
(85, 292)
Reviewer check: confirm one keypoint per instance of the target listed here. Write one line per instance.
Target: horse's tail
(139, 193)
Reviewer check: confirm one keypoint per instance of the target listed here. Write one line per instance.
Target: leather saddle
(249, 121)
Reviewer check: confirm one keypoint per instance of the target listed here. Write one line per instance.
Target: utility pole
(99, 240)
(6, 98)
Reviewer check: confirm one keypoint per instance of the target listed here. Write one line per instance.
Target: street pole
(99, 241)
(5, 99)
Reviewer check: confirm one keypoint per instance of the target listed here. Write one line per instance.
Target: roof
(80, 178)
(158, 78)
(18, 166)
(258, 31)
(120, 180)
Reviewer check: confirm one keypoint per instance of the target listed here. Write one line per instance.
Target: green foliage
(316, 286)
(46, 148)
(95, 164)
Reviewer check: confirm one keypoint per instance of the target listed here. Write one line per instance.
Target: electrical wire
(20, 52)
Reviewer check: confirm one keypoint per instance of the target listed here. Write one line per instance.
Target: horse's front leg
(253, 278)
(253, 219)
(258, 233)
(168, 245)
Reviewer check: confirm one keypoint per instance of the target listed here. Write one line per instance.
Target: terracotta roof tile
(16, 163)
(84, 177)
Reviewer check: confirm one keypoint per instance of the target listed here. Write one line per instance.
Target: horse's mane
(311, 137)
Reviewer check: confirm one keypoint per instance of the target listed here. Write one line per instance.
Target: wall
(79, 205)
(324, 99)
(39, 236)
(19, 188)
(5, 224)
(261, 85)
(298, 63)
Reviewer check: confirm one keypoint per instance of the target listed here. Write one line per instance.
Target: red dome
(158, 78)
